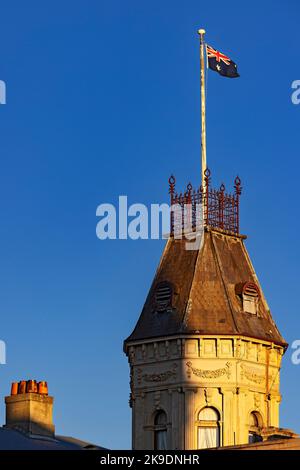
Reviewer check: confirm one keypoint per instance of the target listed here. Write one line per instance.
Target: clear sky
(102, 100)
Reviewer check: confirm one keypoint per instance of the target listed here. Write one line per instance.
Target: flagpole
(201, 33)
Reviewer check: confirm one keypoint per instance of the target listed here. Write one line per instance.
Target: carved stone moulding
(209, 373)
(157, 377)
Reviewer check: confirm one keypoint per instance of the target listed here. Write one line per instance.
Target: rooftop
(205, 290)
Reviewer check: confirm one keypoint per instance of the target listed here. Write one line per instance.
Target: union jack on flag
(221, 63)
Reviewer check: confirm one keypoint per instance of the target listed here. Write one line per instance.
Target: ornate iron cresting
(220, 209)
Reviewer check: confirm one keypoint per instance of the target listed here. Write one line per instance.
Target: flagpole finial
(201, 31)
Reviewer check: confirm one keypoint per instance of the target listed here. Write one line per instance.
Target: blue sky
(102, 100)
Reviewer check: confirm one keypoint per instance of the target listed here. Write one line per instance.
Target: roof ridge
(219, 266)
(186, 309)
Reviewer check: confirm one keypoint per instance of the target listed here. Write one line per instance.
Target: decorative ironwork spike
(172, 182)
(222, 187)
(207, 179)
(237, 186)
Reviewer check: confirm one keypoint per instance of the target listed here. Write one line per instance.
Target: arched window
(208, 428)
(255, 425)
(160, 431)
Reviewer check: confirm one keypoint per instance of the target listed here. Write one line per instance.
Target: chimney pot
(31, 386)
(14, 388)
(22, 386)
(43, 388)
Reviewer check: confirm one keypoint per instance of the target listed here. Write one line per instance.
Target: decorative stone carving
(256, 397)
(209, 374)
(208, 396)
(144, 352)
(161, 377)
(252, 374)
(157, 400)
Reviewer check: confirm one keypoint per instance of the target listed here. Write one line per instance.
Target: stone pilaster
(189, 421)
(228, 424)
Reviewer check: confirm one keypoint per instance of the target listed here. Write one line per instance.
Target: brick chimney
(29, 408)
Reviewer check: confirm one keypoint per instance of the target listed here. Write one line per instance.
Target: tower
(205, 354)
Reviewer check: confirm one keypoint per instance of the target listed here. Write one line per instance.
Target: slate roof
(11, 439)
(205, 285)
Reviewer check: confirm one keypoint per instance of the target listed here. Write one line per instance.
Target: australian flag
(221, 63)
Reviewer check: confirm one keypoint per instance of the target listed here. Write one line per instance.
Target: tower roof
(204, 292)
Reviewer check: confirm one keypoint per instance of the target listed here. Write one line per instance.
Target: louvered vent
(251, 290)
(251, 295)
(163, 296)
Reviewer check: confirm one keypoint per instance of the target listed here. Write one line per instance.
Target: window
(162, 296)
(255, 425)
(208, 428)
(160, 431)
(250, 295)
